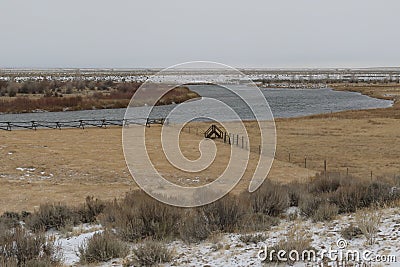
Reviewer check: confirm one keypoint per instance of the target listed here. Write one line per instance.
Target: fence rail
(82, 124)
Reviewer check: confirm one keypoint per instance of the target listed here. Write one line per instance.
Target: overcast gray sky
(149, 33)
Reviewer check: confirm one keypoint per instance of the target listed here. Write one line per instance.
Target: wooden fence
(82, 124)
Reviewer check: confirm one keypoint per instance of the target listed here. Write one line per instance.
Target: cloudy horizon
(158, 34)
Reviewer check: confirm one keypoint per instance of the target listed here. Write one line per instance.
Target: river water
(284, 103)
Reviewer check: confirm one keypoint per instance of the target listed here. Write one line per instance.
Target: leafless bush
(224, 214)
(20, 248)
(296, 240)
(102, 247)
(308, 205)
(50, 216)
(12, 89)
(350, 197)
(270, 199)
(325, 184)
(123, 219)
(151, 253)
(11, 219)
(377, 193)
(369, 221)
(89, 211)
(106, 94)
(325, 212)
(351, 232)
(296, 191)
(194, 226)
(139, 216)
(253, 222)
(252, 238)
(160, 221)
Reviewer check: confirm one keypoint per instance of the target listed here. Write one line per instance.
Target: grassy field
(66, 166)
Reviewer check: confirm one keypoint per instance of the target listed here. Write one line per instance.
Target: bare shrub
(350, 197)
(252, 238)
(89, 211)
(139, 216)
(325, 184)
(151, 253)
(325, 212)
(20, 248)
(12, 89)
(224, 214)
(377, 192)
(124, 219)
(309, 204)
(296, 240)
(396, 180)
(194, 226)
(160, 221)
(369, 221)
(296, 191)
(217, 246)
(351, 232)
(253, 222)
(11, 219)
(270, 199)
(102, 247)
(112, 95)
(50, 216)
(356, 195)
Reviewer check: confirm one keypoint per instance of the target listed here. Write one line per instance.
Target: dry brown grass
(390, 91)
(362, 145)
(77, 163)
(91, 162)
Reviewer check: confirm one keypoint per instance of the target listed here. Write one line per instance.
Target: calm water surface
(284, 103)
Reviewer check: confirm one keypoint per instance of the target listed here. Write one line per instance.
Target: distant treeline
(59, 88)
(316, 80)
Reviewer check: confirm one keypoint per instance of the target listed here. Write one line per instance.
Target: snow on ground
(229, 250)
(70, 245)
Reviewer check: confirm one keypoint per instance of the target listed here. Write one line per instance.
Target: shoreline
(25, 104)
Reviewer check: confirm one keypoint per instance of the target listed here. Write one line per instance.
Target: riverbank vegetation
(32, 95)
(387, 91)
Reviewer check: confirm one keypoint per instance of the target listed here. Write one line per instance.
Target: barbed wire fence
(324, 166)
